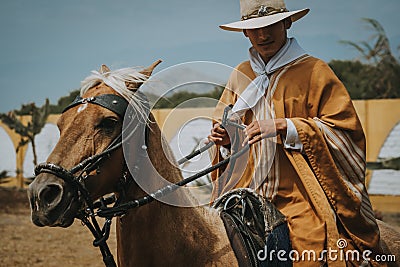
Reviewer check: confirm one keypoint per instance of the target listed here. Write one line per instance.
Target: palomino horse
(153, 235)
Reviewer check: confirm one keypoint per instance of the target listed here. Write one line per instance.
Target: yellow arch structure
(20, 155)
(171, 120)
(378, 118)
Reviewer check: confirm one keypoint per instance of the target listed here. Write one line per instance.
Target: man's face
(268, 40)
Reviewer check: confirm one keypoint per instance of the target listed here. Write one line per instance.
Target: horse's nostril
(50, 195)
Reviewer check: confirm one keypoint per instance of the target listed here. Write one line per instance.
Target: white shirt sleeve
(225, 153)
(292, 140)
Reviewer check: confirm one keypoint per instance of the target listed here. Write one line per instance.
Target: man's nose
(263, 34)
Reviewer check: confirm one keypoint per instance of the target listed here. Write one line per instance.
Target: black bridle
(115, 103)
(76, 176)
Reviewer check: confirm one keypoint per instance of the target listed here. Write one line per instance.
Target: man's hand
(258, 130)
(219, 135)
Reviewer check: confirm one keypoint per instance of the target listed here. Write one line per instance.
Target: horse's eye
(108, 124)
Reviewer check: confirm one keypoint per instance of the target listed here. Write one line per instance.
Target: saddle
(251, 223)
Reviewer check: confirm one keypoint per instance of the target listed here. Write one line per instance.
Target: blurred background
(48, 47)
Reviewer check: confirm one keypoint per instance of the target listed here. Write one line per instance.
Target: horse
(156, 234)
(153, 235)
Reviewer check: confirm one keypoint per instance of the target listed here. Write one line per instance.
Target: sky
(48, 46)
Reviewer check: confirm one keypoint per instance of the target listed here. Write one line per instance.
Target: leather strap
(115, 103)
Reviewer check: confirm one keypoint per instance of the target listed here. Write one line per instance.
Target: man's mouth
(266, 43)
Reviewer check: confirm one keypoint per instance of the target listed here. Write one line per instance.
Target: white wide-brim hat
(261, 13)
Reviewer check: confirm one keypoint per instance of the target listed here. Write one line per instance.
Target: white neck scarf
(256, 89)
(264, 152)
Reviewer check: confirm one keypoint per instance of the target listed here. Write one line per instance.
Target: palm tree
(384, 70)
(379, 49)
(33, 127)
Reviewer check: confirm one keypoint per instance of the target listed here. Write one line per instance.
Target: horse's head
(91, 125)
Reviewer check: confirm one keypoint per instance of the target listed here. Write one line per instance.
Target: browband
(115, 103)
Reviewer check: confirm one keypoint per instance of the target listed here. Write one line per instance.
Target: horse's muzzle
(52, 201)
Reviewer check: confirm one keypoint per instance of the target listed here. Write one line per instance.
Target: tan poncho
(321, 189)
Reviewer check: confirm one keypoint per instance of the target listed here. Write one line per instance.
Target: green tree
(33, 127)
(63, 102)
(182, 96)
(381, 70)
(354, 76)
(378, 48)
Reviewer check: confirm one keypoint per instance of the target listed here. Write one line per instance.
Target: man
(307, 146)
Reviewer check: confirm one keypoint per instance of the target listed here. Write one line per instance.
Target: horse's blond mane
(118, 80)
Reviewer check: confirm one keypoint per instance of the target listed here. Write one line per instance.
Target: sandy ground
(23, 244)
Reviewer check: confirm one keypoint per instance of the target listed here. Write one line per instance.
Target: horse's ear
(149, 70)
(104, 69)
(146, 71)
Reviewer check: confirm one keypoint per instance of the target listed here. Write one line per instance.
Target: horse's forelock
(118, 80)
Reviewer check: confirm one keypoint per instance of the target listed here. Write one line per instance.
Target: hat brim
(264, 21)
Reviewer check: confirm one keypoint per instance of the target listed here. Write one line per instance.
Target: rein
(76, 176)
(118, 105)
(112, 102)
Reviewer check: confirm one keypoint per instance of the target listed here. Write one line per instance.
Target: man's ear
(245, 32)
(288, 23)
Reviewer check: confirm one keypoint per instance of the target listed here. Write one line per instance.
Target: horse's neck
(159, 234)
(164, 235)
